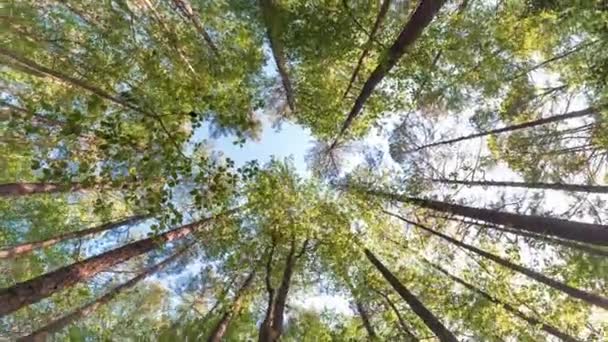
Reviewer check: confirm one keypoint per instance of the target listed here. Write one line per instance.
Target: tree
(43, 333)
(429, 319)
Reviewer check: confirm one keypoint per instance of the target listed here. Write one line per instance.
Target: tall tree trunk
(549, 239)
(404, 327)
(269, 17)
(427, 317)
(377, 23)
(600, 189)
(272, 326)
(33, 290)
(185, 8)
(24, 248)
(531, 320)
(43, 333)
(529, 124)
(371, 333)
(221, 327)
(570, 230)
(42, 71)
(588, 297)
(24, 189)
(419, 20)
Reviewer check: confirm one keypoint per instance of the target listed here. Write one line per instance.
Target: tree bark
(371, 333)
(529, 124)
(221, 327)
(419, 20)
(272, 326)
(427, 317)
(588, 297)
(549, 239)
(43, 333)
(33, 290)
(596, 234)
(25, 248)
(404, 328)
(377, 23)
(531, 320)
(276, 46)
(600, 189)
(24, 189)
(186, 8)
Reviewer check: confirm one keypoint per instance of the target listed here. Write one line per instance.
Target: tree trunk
(43, 333)
(529, 124)
(371, 333)
(419, 20)
(549, 239)
(531, 320)
(269, 17)
(186, 8)
(600, 189)
(404, 328)
(427, 317)
(36, 289)
(221, 327)
(24, 189)
(24, 248)
(377, 23)
(272, 326)
(570, 230)
(571, 291)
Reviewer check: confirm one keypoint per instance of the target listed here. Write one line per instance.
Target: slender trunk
(371, 333)
(404, 328)
(24, 189)
(269, 17)
(377, 23)
(221, 327)
(68, 79)
(427, 317)
(419, 20)
(531, 320)
(588, 297)
(186, 8)
(33, 290)
(24, 248)
(570, 230)
(266, 332)
(600, 189)
(529, 124)
(549, 239)
(43, 333)
(272, 326)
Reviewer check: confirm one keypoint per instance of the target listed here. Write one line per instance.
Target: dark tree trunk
(25, 248)
(529, 124)
(571, 291)
(427, 317)
(221, 327)
(549, 239)
(371, 333)
(570, 230)
(185, 8)
(24, 189)
(600, 189)
(377, 23)
(269, 17)
(272, 326)
(44, 333)
(404, 327)
(531, 320)
(36, 289)
(419, 20)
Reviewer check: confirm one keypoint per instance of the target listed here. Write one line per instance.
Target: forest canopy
(456, 186)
